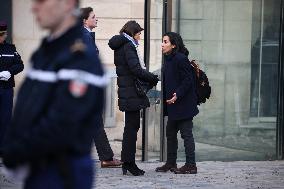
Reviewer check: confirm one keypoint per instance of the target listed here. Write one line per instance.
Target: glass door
(236, 43)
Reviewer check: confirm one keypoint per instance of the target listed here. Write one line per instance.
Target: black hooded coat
(127, 69)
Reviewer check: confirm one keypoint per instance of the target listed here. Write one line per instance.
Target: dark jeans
(132, 124)
(6, 106)
(104, 150)
(185, 128)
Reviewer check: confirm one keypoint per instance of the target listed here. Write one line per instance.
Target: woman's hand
(155, 80)
(173, 99)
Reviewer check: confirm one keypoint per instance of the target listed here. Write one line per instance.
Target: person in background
(58, 105)
(180, 103)
(130, 66)
(103, 147)
(10, 65)
(90, 22)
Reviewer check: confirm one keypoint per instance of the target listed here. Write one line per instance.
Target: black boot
(140, 170)
(132, 168)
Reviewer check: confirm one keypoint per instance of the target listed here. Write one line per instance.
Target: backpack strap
(195, 66)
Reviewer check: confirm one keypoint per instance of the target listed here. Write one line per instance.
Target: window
(264, 58)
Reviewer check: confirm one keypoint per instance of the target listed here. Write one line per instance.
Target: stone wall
(112, 15)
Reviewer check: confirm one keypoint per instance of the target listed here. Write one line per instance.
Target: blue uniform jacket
(59, 103)
(10, 60)
(178, 77)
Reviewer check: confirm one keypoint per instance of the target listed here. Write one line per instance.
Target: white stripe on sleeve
(68, 74)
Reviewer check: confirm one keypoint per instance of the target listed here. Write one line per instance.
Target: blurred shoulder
(84, 58)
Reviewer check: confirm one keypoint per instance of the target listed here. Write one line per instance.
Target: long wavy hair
(177, 40)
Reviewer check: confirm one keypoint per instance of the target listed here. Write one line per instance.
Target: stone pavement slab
(211, 175)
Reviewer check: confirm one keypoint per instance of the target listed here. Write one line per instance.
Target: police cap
(3, 27)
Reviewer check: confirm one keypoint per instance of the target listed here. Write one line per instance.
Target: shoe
(132, 168)
(140, 170)
(186, 169)
(111, 164)
(166, 167)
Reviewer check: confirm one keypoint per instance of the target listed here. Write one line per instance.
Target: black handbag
(141, 87)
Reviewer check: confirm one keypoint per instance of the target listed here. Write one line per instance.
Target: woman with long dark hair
(130, 67)
(180, 103)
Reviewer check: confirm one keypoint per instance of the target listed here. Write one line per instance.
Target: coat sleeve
(187, 78)
(17, 65)
(134, 65)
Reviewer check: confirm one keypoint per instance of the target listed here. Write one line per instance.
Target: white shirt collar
(87, 29)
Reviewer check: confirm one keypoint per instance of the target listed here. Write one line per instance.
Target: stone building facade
(236, 43)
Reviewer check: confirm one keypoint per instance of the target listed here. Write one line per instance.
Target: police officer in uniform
(10, 65)
(58, 105)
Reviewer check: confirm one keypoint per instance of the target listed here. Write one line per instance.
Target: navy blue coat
(59, 104)
(10, 61)
(90, 40)
(179, 78)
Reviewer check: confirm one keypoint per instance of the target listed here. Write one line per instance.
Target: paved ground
(211, 175)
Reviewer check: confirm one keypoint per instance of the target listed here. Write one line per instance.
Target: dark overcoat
(179, 78)
(90, 39)
(127, 69)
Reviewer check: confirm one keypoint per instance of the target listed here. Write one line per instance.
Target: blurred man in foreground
(58, 105)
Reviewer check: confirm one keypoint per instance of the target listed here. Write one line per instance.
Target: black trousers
(185, 128)
(132, 125)
(104, 150)
(6, 106)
